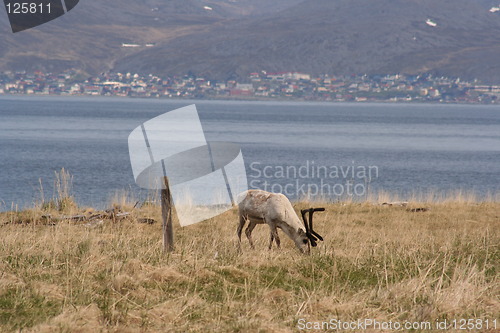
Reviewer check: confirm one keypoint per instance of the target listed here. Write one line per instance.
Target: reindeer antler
(310, 233)
(311, 237)
(311, 212)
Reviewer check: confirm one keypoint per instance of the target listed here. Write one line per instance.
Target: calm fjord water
(414, 147)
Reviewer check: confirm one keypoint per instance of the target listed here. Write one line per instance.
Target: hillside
(342, 37)
(90, 36)
(228, 38)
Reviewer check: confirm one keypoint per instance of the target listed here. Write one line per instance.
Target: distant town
(257, 86)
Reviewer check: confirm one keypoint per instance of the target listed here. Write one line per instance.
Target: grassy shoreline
(387, 263)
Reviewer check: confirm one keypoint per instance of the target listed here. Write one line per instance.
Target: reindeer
(259, 207)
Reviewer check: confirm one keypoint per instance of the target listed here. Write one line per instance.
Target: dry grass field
(385, 263)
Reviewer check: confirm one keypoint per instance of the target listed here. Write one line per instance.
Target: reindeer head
(311, 236)
(302, 241)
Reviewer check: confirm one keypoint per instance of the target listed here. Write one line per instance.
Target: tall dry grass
(384, 263)
(377, 262)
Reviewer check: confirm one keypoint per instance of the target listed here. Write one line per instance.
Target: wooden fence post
(166, 214)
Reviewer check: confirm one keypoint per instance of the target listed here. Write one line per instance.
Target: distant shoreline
(246, 99)
(281, 86)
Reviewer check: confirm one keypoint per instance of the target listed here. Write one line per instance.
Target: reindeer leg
(277, 238)
(243, 221)
(274, 236)
(248, 232)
